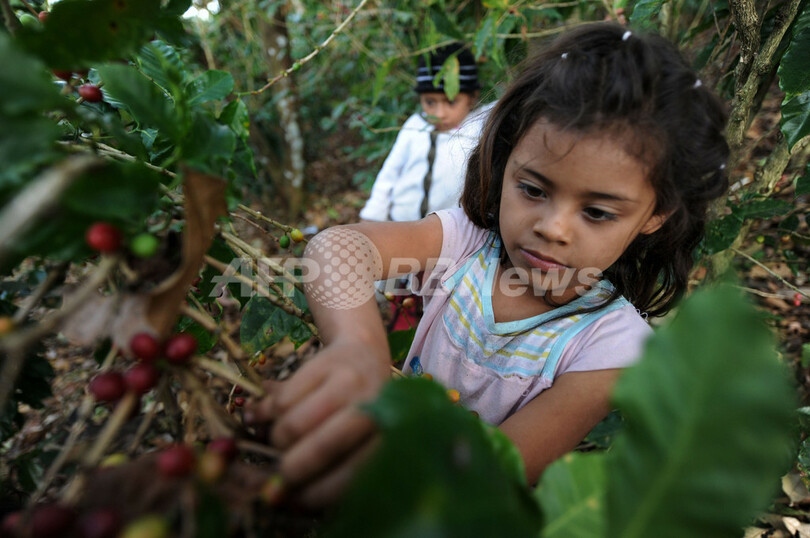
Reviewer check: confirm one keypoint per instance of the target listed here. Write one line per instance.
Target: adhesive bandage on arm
(344, 264)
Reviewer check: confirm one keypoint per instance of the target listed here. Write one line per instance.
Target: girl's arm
(316, 418)
(555, 421)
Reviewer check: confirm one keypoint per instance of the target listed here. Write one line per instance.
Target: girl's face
(570, 206)
(444, 113)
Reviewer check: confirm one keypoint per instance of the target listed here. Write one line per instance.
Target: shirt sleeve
(616, 340)
(460, 239)
(379, 201)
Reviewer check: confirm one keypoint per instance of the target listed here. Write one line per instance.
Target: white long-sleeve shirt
(399, 188)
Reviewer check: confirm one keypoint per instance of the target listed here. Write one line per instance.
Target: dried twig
(768, 270)
(222, 370)
(299, 63)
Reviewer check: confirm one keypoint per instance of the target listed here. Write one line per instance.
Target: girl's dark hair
(600, 77)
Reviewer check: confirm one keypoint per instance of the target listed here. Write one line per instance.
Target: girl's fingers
(341, 434)
(328, 489)
(343, 387)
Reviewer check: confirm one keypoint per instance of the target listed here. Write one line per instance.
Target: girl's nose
(553, 225)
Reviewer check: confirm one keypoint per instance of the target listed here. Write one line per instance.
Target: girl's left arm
(555, 421)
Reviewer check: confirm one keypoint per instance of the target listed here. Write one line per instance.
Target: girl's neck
(508, 307)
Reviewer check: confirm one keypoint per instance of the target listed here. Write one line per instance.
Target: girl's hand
(317, 420)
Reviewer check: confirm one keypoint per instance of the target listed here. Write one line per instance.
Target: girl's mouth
(541, 262)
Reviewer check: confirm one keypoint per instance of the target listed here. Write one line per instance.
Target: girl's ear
(654, 223)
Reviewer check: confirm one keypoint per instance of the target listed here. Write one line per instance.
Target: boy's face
(442, 112)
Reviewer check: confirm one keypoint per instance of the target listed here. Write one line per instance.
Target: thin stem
(303, 61)
(221, 370)
(769, 271)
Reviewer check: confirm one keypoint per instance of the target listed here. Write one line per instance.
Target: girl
(583, 202)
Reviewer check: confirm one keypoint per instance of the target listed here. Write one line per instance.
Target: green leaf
(235, 115)
(441, 473)
(762, 209)
(209, 145)
(484, 34)
(210, 86)
(443, 23)
(80, 32)
(709, 413)
(27, 84)
(142, 98)
(794, 69)
(399, 343)
(803, 183)
(571, 494)
(645, 14)
(119, 192)
(264, 324)
(450, 73)
(26, 143)
(160, 62)
(795, 122)
(379, 79)
(720, 233)
(205, 339)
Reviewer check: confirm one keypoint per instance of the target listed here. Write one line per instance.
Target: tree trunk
(277, 53)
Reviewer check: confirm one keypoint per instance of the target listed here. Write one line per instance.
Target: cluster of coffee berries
(294, 235)
(140, 378)
(106, 238)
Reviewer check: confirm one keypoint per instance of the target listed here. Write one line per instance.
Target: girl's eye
(531, 191)
(598, 214)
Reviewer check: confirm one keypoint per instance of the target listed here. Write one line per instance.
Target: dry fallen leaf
(795, 489)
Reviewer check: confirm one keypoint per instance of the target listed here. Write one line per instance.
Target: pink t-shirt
(499, 367)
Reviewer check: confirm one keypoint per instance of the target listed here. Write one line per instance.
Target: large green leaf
(795, 122)
(443, 24)
(26, 84)
(264, 324)
(209, 145)
(161, 63)
(25, 143)
(709, 421)
(572, 497)
(212, 85)
(794, 69)
(119, 192)
(79, 33)
(645, 14)
(720, 233)
(435, 474)
(144, 100)
(235, 115)
(764, 208)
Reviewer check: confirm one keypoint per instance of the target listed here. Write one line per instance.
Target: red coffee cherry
(225, 446)
(101, 523)
(51, 521)
(103, 237)
(141, 378)
(180, 347)
(91, 93)
(145, 347)
(177, 460)
(107, 387)
(42, 16)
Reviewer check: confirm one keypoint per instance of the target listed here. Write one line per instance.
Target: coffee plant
(128, 160)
